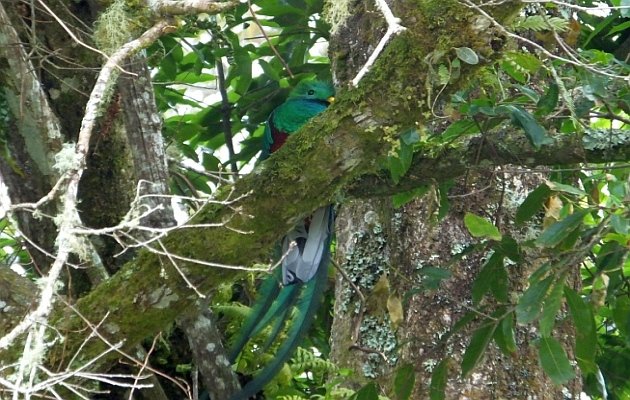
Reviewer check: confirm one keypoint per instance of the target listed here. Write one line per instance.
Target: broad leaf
(367, 392)
(481, 227)
(439, 378)
(504, 335)
(477, 346)
(533, 130)
(400, 199)
(551, 307)
(467, 55)
(548, 101)
(554, 361)
(528, 307)
(586, 335)
(560, 187)
(533, 203)
(404, 382)
(560, 230)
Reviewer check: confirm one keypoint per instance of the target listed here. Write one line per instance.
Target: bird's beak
(331, 99)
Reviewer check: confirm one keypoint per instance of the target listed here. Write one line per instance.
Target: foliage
(255, 82)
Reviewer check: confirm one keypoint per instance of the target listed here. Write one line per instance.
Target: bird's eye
(311, 92)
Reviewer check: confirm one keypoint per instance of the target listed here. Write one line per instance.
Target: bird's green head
(313, 90)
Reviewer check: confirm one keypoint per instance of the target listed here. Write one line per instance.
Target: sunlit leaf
(561, 187)
(481, 227)
(559, 231)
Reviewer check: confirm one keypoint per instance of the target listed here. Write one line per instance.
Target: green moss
(115, 26)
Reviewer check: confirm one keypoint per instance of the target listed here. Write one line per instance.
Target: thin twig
(226, 118)
(273, 48)
(363, 301)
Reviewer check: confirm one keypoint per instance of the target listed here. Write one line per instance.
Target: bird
(292, 294)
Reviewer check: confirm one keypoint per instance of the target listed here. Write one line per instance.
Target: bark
(377, 243)
(374, 239)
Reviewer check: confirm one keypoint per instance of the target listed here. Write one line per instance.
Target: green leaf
(410, 136)
(528, 307)
(481, 227)
(478, 345)
(511, 249)
(513, 72)
(533, 130)
(532, 204)
(551, 307)
(548, 101)
(404, 382)
(504, 335)
(467, 55)
(620, 224)
(399, 164)
(526, 61)
(269, 70)
(554, 361)
(439, 378)
(499, 283)
(458, 129)
(367, 392)
(561, 187)
(445, 204)
(491, 276)
(556, 233)
(621, 316)
(585, 331)
(620, 27)
(400, 199)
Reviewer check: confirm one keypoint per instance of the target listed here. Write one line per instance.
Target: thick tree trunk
(389, 255)
(405, 245)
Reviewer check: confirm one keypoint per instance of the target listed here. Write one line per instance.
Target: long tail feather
(305, 293)
(307, 305)
(285, 300)
(267, 294)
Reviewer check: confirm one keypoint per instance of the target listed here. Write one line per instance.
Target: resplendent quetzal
(292, 294)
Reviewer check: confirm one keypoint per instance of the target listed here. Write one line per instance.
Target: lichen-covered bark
(144, 133)
(376, 242)
(30, 136)
(410, 242)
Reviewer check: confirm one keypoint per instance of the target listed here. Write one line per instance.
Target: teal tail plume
(267, 294)
(295, 304)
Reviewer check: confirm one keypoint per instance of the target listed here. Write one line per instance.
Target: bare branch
(185, 7)
(393, 28)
